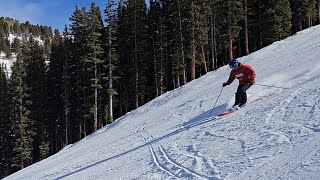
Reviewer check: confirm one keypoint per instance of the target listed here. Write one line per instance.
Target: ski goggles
(233, 66)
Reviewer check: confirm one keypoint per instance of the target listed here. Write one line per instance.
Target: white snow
(13, 36)
(276, 136)
(7, 62)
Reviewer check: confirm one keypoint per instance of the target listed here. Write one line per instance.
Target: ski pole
(271, 86)
(216, 102)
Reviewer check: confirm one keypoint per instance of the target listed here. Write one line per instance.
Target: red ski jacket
(244, 73)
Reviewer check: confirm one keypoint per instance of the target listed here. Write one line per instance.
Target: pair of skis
(227, 113)
(222, 115)
(232, 110)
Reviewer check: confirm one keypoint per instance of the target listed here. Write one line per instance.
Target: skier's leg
(243, 93)
(238, 96)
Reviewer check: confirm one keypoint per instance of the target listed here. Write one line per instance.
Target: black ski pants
(241, 94)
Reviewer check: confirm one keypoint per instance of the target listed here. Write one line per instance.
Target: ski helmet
(234, 63)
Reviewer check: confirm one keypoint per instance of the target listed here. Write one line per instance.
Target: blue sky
(54, 13)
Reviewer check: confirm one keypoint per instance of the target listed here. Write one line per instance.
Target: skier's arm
(252, 75)
(231, 78)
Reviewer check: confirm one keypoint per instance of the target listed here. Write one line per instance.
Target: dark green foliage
(94, 60)
(35, 82)
(55, 89)
(16, 45)
(155, 22)
(80, 86)
(111, 62)
(175, 45)
(282, 19)
(22, 124)
(229, 15)
(277, 25)
(6, 138)
(22, 103)
(304, 13)
(134, 64)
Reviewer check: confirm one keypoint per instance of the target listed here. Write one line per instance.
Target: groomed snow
(276, 136)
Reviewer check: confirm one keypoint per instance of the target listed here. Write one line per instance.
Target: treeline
(24, 30)
(101, 68)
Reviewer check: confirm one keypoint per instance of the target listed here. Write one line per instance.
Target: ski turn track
(165, 163)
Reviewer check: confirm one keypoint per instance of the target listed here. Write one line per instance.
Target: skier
(246, 75)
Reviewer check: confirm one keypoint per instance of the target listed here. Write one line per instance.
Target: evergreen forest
(111, 60)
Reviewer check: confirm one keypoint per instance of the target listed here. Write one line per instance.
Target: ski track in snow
(165, 163)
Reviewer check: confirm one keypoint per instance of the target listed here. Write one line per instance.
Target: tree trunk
(95, 113)
(136, 103)
(193, 57)
(161, 84)
(66, 100)
(110, 75)
(178, 81)
(212, 42)
(215, 43)
(193, 46)
(230, 46)
(184, 78)
(66, 111)
(155, 68)
(319, 10)
(246, 27)
(204, 62)
(95, 107)
(260, 26)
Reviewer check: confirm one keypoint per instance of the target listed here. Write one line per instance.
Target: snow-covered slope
(276, 136)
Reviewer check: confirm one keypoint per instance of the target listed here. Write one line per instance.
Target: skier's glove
(250, 81)
(224, 84)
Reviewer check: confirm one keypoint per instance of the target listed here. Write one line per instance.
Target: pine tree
(137, 62)
(22, 124)
(319, 11)
(4, 43)
(202, 29)
(35, 82)
(80, 86)
(125, 70)
(231, 13)
(156, 34)
(182, 68)
(310, 11)
(16, 45)
(303, 13)
(111, 56)
(174, 17)
(277, 22)
(282, 19)
(6, 139)
(168, 34)
(94, 57)
(246, 27)
(55, 111)
(213, 35)
(253, 38)
(193, 40)
(69, 89)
